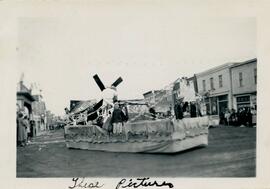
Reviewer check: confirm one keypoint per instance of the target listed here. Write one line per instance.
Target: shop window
(223, 98)
(207, 105)
(243, 102)
(222, 103)
(243, 99)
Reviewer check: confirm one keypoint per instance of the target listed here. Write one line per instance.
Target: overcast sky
(147, 49)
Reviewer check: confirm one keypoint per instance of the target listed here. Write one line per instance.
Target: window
(222, 103)
(207, 104)
(243, 99)
(220, 81)
(243, 102)
(223, 98)
(203, 83)
(255, 75)
(212, 83)
(240, 79)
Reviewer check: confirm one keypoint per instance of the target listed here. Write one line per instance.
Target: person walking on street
(32, 129)
(28, 131)
(233, 118)
(241, 117)
(253, 115)
(227, 117)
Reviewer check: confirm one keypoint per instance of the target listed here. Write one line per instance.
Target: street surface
(231, 153)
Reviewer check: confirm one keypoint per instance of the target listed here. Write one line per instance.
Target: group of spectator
(25, 129)
(242, 117)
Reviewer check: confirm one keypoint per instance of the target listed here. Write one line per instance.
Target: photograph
(122, 92)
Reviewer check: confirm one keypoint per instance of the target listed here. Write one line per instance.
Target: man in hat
(118, 119)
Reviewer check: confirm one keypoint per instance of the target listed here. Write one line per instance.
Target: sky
(148, 50)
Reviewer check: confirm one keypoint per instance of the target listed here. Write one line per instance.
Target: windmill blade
(117, 82)
(98, 105)
(92, 116)
(99, 82)
(92, 113)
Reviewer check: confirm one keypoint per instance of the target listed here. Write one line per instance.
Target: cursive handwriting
(80, 183)
(141, 182)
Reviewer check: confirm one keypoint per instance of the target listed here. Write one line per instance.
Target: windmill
(108, 94)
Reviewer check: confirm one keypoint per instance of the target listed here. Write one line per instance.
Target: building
(135, 107)
(231, 85)
(215, 85)
(163, 101)
(24, 99)
(39, 114)
(244, 84)
(50, 118)
(160, 99)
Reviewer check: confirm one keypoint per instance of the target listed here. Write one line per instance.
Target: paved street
(231, 153)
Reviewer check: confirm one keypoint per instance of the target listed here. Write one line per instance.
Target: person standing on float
(117, 119)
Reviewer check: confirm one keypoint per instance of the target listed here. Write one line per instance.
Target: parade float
(143, 132)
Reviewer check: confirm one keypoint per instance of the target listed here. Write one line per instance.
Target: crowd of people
(25, 129)
(242, 117)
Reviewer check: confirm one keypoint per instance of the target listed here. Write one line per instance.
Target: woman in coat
(22, 134)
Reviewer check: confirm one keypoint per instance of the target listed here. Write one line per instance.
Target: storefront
(216, 104)
(24, 102)
(246, 101)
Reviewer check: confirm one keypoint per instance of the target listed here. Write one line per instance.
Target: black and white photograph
(119, 99)
(136, 92)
